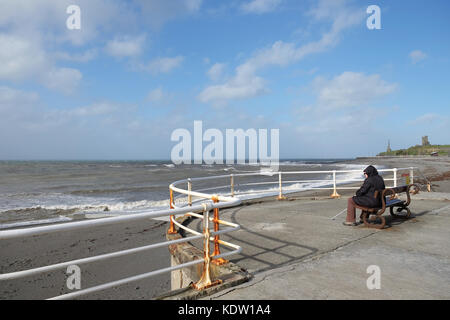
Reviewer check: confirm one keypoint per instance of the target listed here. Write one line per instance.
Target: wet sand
(37, 251)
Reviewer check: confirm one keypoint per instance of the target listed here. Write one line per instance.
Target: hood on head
(371, 171)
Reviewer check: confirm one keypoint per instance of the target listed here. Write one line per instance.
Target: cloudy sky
(137, 70)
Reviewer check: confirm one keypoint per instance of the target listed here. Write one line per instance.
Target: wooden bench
(389, 200)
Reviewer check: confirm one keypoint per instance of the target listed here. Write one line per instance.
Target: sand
(59, 247)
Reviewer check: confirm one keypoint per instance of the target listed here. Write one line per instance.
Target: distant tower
(389, 146)
(425, 141)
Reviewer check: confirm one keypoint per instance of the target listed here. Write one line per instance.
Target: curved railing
(333, 183)
(200, 208)
(204, 208)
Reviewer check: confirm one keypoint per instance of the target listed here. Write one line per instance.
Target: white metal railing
(333, 183)
(214, 202)
(193, 210)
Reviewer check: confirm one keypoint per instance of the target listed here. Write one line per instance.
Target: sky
(136, 70)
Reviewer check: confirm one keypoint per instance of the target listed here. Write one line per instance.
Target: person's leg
(351, 211)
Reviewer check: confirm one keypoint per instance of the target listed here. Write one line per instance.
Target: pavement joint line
(436, 211)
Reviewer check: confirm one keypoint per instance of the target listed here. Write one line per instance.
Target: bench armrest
(394, 191)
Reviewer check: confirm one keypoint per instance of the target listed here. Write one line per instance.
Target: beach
(37, 251)
(57, 247)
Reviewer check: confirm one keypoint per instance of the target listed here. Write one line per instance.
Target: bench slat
(392, 202)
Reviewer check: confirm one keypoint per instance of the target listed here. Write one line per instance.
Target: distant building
(425, 141)
(389, 146)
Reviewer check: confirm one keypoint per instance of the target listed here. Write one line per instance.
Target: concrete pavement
(295, 251)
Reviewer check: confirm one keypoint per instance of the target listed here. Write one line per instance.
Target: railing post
(189, 190)
(335, 195)
(172, 226)
(232, 184)
(395, 177)
(205, 280)
(411, 175)
(218, 261)
(280, 182)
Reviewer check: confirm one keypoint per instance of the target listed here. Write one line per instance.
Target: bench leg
(382, 224)
(365, 216)
(400, 209)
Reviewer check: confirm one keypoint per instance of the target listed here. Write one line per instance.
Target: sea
(42, 192)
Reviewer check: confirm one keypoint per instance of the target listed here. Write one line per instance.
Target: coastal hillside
(438, 150)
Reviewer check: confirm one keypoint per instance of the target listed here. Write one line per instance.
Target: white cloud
(155, 95)
(85, 56)
(33, 33)
(246, 84)
(237, 88)
(20, 58)
(24, 110)
(96, 109)
(32, 129)
(13, 101)
(159, 96)
(216, 71)
(162, 65)
(125, 46)
(350, 89)
(425, 119)
(435, 124)
(417, 56)
(64, 80)
(31, 28)
(332, 124)
(47, 18)
(24, 60)
(193, 5)
(344, 104)
(260, 6)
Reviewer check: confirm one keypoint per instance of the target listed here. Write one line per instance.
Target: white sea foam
(34, 222)
(102, 206)
(95, 207)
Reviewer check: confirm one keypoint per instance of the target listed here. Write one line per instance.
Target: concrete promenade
(295, 251)
(292, 248)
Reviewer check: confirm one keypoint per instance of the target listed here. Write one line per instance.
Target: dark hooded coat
(365, 196)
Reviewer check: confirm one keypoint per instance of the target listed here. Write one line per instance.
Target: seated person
(365, 196)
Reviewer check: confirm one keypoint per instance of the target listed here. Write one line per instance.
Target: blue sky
(137, 70)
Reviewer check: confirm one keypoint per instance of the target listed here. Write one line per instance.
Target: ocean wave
(21, 195)
(34, 222)
(93, 200)
(119, 190)
(93, 207)
(299, 163)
